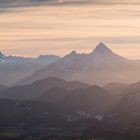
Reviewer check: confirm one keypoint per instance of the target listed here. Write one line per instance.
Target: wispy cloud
(17, 3)
(50, 28)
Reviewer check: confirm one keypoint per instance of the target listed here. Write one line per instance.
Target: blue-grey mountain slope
(13, 69)
(99, 67)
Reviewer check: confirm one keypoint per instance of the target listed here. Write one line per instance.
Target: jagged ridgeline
(100, 67)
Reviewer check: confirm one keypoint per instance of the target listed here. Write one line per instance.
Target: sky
(58, 27)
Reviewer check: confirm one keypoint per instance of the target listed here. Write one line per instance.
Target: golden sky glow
(60, 29)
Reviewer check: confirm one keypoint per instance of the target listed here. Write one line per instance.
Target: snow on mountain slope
(100, 67)
(13, 69)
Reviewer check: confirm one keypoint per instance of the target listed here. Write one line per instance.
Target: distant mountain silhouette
(38, 88)
(126, 113)
(54, 95)
(116, 88)
(70, 96)
(13, 69)
(99, 67)
(93, 100)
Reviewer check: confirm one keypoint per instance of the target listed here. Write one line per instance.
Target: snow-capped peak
(103, 55)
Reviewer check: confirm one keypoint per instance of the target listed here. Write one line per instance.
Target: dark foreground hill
(70, 110)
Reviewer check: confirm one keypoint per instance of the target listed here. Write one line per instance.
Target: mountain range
(35, 90)
(47, 59)
(113, 101)
(99, 67)
(74, 96)
(69, 96)
(13, 69)
(53, 104)
(126, 113)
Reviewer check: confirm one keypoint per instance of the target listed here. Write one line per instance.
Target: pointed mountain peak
(102, 48)
(102, 45)
(73, 53)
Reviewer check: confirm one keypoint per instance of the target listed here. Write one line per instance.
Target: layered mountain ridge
(100, 67)
(13, 68)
